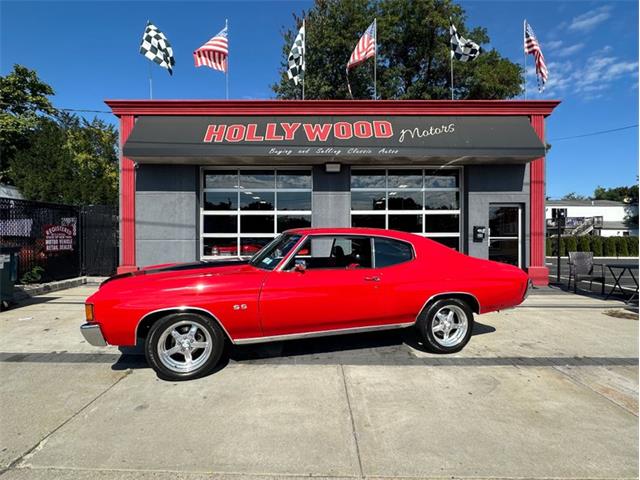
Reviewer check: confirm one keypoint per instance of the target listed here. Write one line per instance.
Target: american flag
(532, 47)
(214, 53)
(366, 47)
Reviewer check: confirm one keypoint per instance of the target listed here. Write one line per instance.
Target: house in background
(606, 218)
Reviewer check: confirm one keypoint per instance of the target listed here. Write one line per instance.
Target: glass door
(505, 234)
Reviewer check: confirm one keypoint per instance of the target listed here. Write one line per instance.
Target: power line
(601, 132)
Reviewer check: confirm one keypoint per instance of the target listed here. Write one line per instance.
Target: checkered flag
(157, 48)
(296, 58)
(461, 48)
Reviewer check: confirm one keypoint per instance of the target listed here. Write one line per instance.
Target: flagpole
(375, 60)
(150, 82)
(524, 39)
(304, 53)
(451, 64)
(226, 76)
(150, 73)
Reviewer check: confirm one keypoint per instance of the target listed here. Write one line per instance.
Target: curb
(23, 292)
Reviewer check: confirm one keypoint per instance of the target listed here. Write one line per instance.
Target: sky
(88, 51)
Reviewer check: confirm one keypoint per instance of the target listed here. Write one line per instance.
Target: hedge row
(600, 246)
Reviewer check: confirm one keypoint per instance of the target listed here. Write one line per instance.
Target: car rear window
(391, 252)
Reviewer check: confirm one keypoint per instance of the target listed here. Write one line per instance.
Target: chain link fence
(55, 241)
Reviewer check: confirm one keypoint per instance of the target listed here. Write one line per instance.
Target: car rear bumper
(92, 334)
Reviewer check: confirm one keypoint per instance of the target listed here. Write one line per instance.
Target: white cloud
(568, 51)
(552, 45)
(586, 76)
(590, 19)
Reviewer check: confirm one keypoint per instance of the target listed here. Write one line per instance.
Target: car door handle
(372, 279)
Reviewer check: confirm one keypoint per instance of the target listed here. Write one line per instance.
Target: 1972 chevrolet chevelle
(306, 282)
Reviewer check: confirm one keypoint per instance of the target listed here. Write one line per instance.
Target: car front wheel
(446, 325)
(184, 346)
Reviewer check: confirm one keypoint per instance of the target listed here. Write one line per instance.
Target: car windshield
(274, 252)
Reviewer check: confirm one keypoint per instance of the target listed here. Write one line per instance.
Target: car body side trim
(322, 333)
(179, 309)
(449, 293)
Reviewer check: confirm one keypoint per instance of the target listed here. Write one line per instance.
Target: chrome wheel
(449, 326)
(184, 346)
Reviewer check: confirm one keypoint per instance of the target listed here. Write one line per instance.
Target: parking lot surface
(548, 390)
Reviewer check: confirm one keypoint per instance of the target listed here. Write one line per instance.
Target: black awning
(316, 139)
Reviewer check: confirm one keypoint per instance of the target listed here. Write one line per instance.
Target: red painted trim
(127, 202)
(538, 272)
(332, 107)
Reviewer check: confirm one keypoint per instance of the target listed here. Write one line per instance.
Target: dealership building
(206, 179)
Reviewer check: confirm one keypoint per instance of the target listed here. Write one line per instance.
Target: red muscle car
(306, 282)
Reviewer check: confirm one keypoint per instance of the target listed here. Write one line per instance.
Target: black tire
(160, 338)
(437, 342)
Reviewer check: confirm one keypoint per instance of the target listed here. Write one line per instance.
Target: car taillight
(88, 312)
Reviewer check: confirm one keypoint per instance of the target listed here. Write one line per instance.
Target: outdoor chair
(581, 268)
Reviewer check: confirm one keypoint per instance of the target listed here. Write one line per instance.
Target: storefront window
(422, 201)
(221, 201)
(243, 209)
(257, 200)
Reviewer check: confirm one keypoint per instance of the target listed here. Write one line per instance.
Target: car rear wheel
(446, 325)
(184, 346)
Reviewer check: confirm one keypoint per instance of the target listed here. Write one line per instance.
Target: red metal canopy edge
(332, 107)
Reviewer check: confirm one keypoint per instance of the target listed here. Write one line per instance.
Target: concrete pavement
(548, 390)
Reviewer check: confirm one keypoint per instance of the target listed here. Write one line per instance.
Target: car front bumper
(92, 334)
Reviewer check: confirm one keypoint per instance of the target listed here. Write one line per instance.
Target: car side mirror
(301, 266)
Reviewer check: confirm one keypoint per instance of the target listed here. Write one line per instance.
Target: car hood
(174, 271)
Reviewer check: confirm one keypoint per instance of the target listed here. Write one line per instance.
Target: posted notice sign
(58, 238)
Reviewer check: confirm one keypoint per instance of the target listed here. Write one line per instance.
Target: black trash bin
(8, 274)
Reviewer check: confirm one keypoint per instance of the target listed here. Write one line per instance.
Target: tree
(413, 53)
(574, 196)
(69, 160)
(23, 101)
(617, 194)
(628, 195)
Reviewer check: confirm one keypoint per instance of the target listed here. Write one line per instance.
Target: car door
(402, 281)
(334, 287)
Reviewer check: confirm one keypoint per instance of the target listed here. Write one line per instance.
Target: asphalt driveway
(549, 389)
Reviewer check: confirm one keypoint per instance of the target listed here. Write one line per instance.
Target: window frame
(411, 248)
(303, 240)
(291, 258)
(423, 213)
(275, 213)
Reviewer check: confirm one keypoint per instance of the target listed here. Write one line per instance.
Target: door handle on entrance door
(372, 279)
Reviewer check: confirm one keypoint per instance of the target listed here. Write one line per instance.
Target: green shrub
(622, 247)
(32, 276)
(563, 246)
(584, 243)
(548, 247)
(571, 244)
(610, 247)
(596, 246)
(633, 246)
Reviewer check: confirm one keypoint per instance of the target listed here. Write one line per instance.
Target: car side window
(333, 252)
(391, 252)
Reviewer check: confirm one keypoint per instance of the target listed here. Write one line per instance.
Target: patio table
(622, 268)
